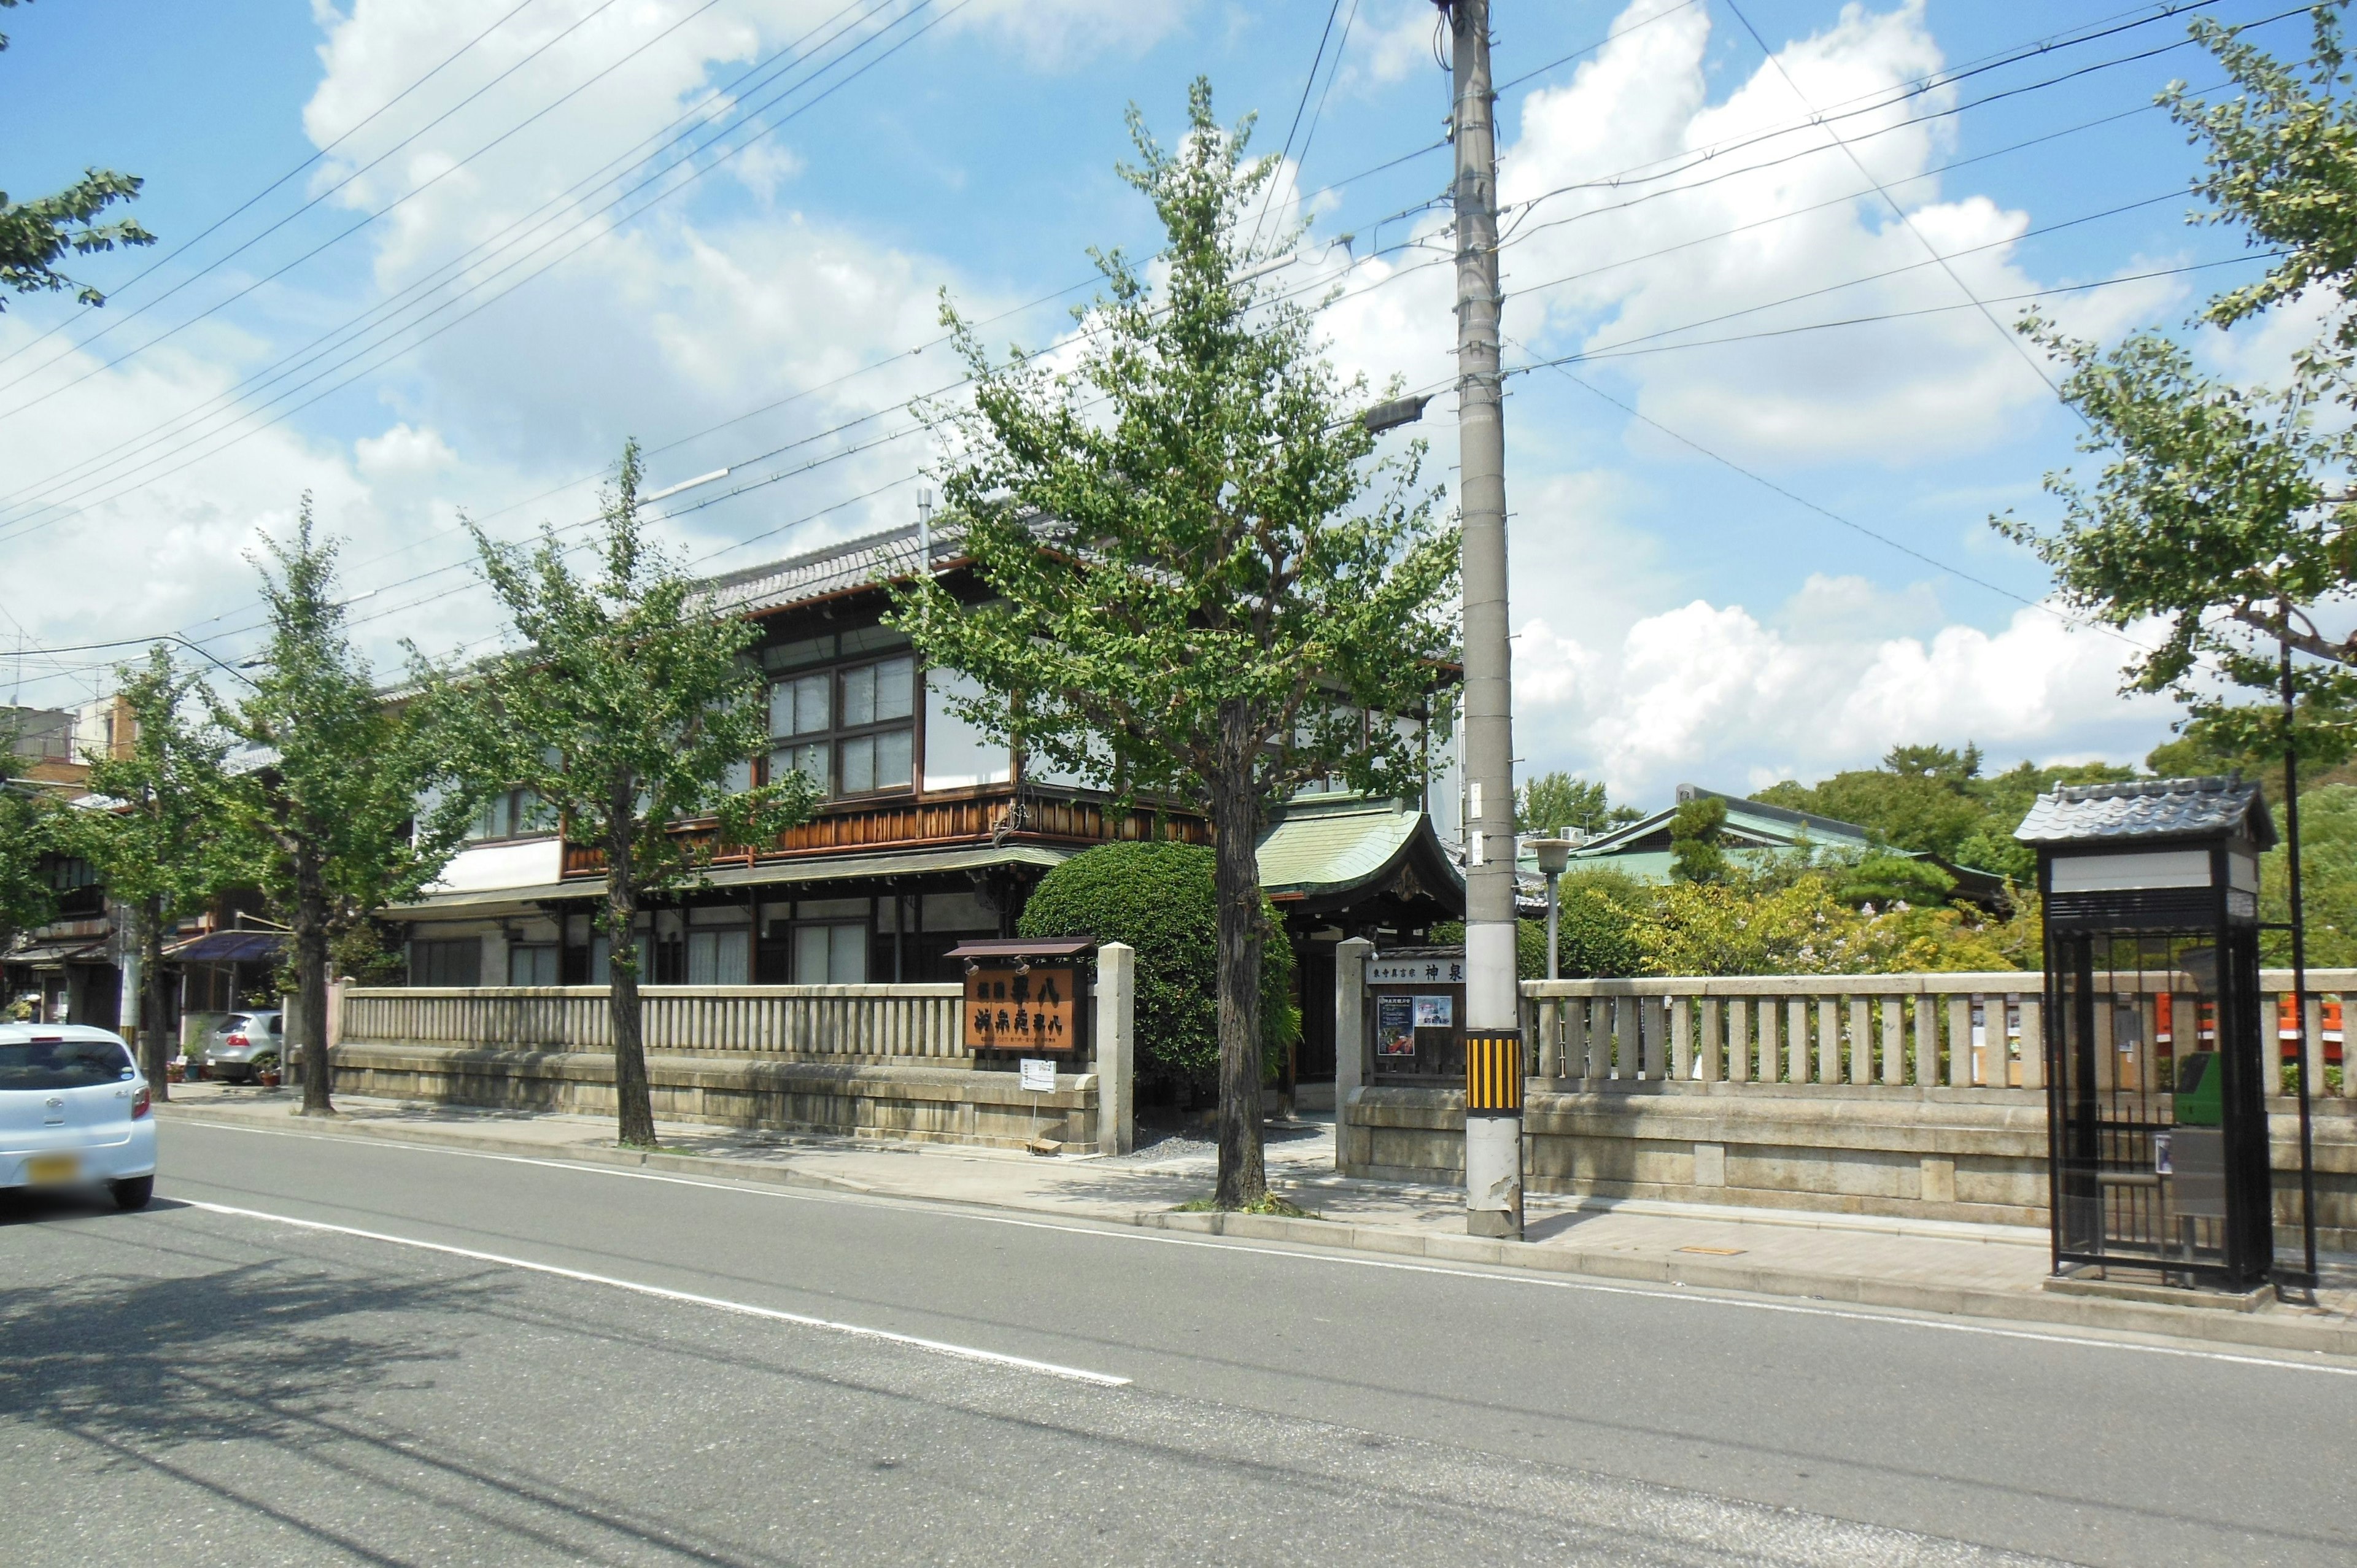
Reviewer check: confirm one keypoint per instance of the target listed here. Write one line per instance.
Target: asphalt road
(469, 1358)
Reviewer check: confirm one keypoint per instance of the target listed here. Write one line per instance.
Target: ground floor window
(534, 965)
(720, 958)
(455, 963)
(831, 954)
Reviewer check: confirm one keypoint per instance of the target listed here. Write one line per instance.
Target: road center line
(938, 1347)
(1116, 1230)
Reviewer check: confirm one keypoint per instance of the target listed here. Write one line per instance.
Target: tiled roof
(1322, 846)
(2149, 809)
(851, 563)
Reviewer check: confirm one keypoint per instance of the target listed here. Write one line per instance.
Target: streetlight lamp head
(1398, 412)
(1555, 855)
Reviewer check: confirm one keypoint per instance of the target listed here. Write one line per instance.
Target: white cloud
(1637, 116)
(1703, 692)
(1060, 33)
(1390, 42)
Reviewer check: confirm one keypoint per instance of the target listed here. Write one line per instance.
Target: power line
(1936, 260)
(1687, 162)
(490, 246)
(1624, 350)
(1609, 38)
(1309, 136)
(30, 521)
(126, 320)
(2013, 340)
(1307, 83)
(1801, 500)
(24, 496)
(1793, 212)
(186, 245)
(383, 611)
(22, 525)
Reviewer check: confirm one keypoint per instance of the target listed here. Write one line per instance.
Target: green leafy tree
(630, 709)
(1698, 831)
(1885, 879)
(325, 798)
(1552, 801)
(2327, 856)
(1202, 583)
(34, 235)
(27, 833)
(162, 840)
(1932, 799)
(2222, 516)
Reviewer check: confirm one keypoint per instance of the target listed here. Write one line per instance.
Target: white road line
(1114, 1230)
(939, 1347)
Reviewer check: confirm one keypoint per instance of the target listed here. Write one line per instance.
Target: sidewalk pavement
(1977, 1271)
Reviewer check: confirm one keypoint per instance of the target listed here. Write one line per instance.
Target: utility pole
(1493, 1119)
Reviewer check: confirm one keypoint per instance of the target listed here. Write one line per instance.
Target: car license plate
(45, 1168)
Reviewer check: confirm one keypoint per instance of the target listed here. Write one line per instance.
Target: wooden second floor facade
(930, 831)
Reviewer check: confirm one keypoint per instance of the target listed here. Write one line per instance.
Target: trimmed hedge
(1157, 898)
(1595, 934)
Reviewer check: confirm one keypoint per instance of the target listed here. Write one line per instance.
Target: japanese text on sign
(1033, 1010)
(1416, 971)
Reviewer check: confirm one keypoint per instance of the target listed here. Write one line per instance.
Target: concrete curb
(583, 1154)
(2268, 1330)
(2262, 1330)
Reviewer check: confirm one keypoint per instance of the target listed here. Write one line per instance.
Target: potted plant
(265, 1070)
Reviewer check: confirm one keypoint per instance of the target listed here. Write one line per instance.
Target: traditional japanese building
(930, 833)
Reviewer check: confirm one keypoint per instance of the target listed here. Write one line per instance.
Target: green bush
(1596, 929)
(1157, 898)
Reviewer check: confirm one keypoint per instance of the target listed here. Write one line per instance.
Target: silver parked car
(246, 1044)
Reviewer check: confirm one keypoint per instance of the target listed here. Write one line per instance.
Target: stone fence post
(1349, 1018)
(1116, 1048)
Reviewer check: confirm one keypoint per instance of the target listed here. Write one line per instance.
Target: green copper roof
(1332, 846)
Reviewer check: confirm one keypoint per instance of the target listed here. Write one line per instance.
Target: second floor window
(512, 814)
(850, 726)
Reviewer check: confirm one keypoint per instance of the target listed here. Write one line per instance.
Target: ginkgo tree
(159, 829)
(2224, 516)
(1201, 583)
(627, 705)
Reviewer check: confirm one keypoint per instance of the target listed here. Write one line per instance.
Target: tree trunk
(1235, 822)
(311, 979)
(632, 1102)
(155, 1046)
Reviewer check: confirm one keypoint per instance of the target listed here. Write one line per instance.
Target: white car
(74, 1111)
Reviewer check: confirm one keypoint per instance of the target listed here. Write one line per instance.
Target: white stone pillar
(1117, 1048)
(1351, 1066)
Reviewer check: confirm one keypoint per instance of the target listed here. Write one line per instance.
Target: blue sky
(1686, 607)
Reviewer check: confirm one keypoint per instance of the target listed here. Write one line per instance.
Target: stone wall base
(1970, 1155)
(922, 1104)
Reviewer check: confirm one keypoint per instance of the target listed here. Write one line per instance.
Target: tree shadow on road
(264, 1386)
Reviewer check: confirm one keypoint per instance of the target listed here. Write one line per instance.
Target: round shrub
(1157, 898)
(1596, 931)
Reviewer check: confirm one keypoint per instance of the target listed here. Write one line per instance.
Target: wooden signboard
(1012, 1009)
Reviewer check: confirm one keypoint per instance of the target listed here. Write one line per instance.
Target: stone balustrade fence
(913, 1024)
(1890, 1030)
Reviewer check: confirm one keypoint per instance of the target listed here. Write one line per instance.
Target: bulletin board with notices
(1415, 1002)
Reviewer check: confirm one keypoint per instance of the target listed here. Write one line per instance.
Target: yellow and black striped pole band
(1493, 1070)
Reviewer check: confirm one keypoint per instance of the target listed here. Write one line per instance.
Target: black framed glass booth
(2155, 1120)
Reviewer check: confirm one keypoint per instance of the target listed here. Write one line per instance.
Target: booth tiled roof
(2149, 809)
